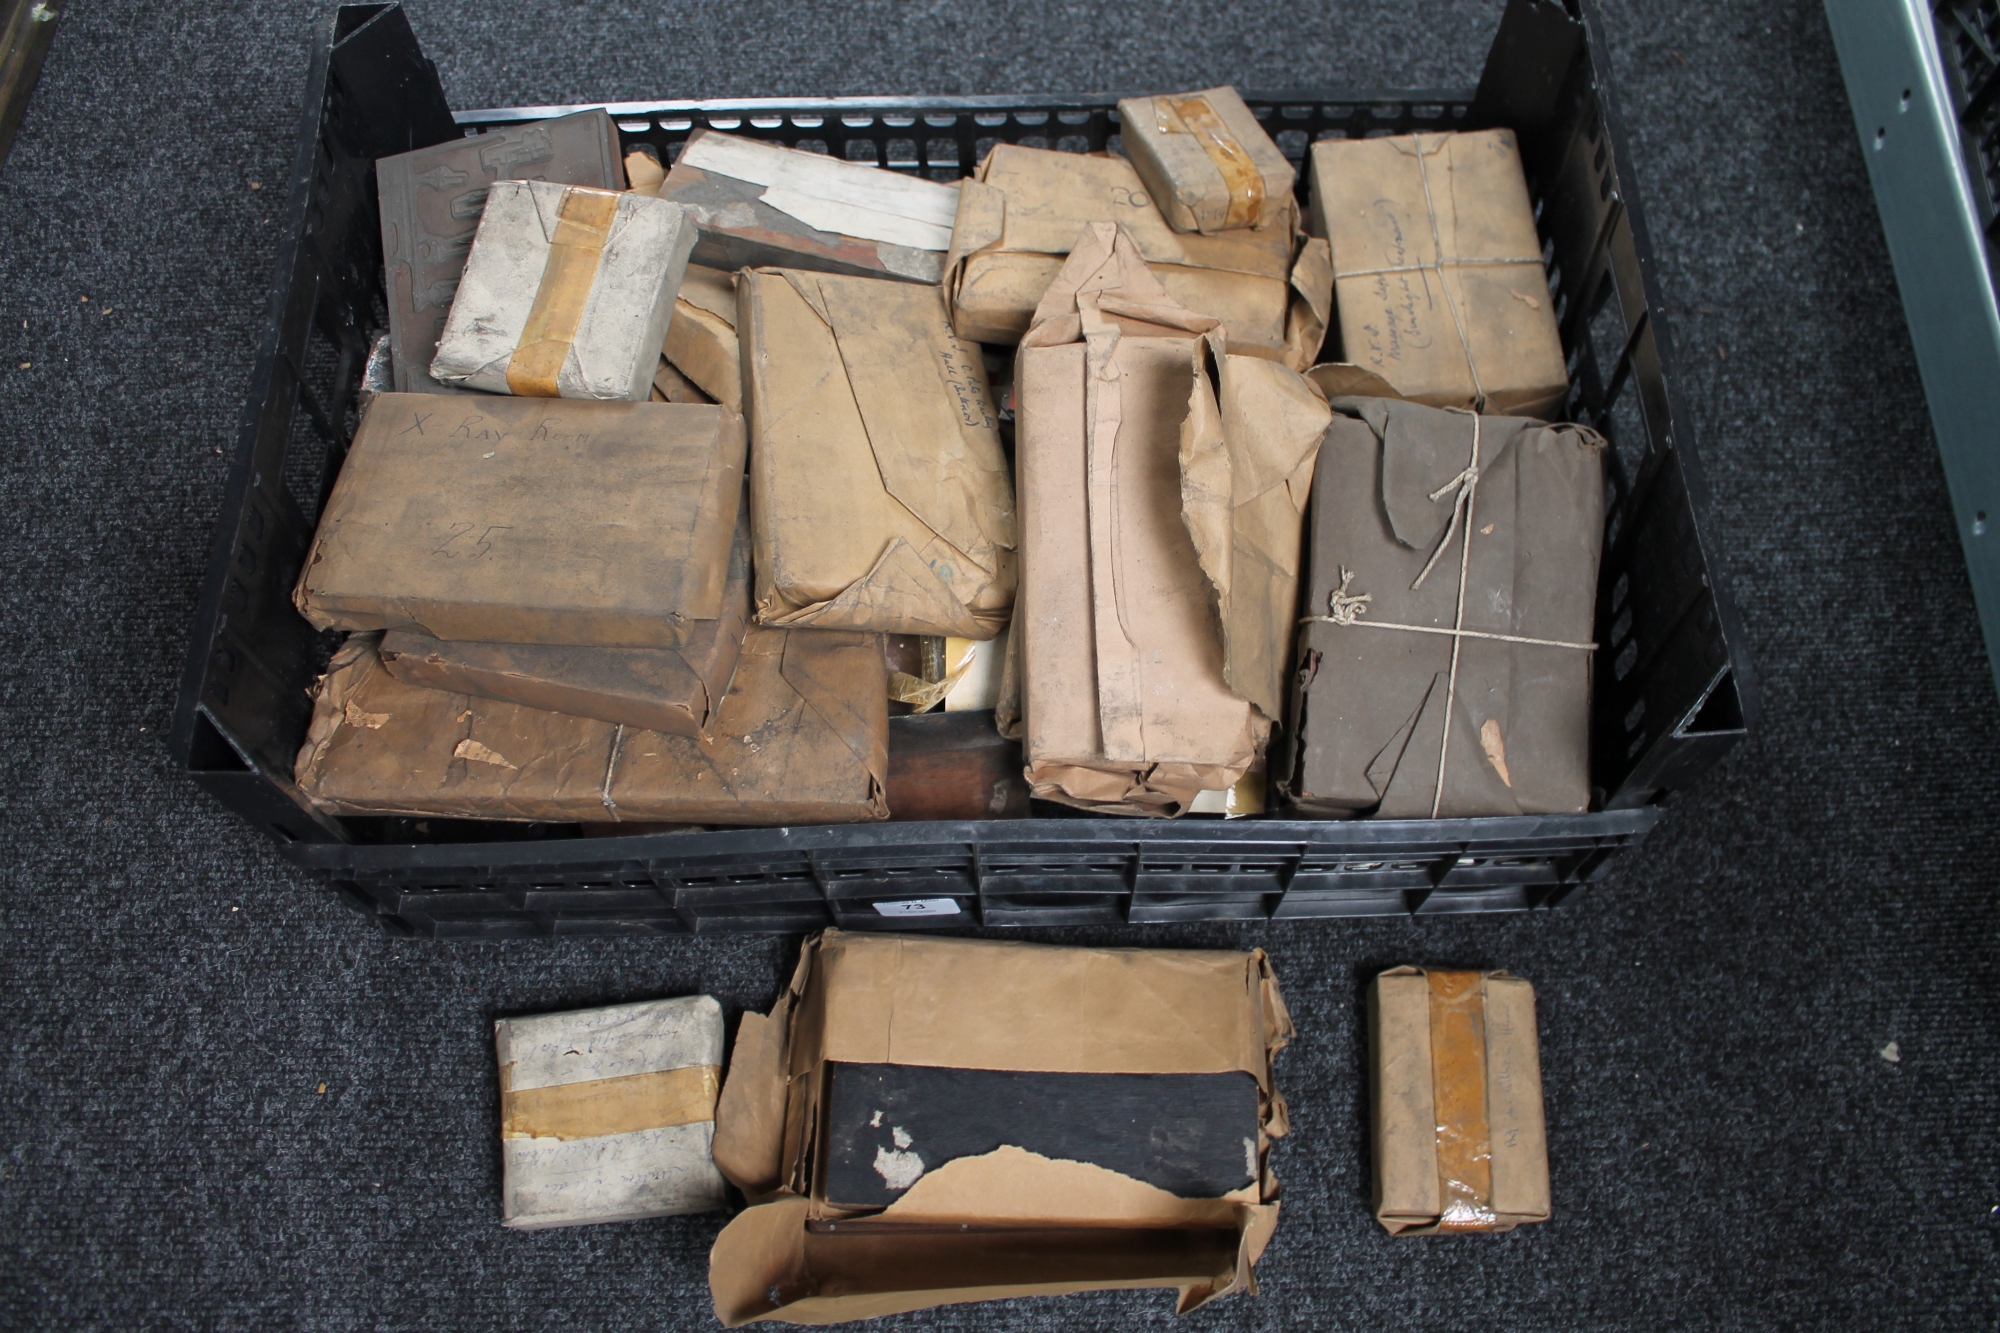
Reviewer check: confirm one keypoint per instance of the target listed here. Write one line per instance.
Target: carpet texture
(226, 1103)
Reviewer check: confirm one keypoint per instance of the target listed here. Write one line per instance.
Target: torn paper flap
(1248, 448)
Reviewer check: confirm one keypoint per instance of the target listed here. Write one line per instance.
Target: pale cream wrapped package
(608, 1115)
(567, 293)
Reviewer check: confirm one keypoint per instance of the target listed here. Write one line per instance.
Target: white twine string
(1344, 608)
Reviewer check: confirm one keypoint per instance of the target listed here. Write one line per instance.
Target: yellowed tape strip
(1458, 1084)
(609, 1105)
(1239, 174)
(583, 222)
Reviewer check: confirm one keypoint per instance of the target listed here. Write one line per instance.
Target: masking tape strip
(1458, 1083)
(583, 223)
(1240, 175)
(602, 1106)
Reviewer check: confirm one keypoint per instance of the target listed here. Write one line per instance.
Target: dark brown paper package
(969, 1221)
(802, 738)
(1456, 1084)
(493, 519)
(1424, 522)
(674, 690)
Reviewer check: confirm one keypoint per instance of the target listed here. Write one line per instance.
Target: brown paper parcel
(674, 690)
(1020, 213)
(1248, 447)
(701, 340)
(1457, 1092)
(1206, 161)
(879, 494)
(802, 738)
(1444, 667)
(1124, 699)
(1438, 277)
(761, 204)
(1008, 1223)
(520, 520)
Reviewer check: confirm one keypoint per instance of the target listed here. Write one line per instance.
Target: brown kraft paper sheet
(879, 493)
(515, 520)
(1020, 213)
(674, 690)
(1438, 277)
(801, 738)
(1124, 701)
(1444, 662)
(987, 1005)
(1460, 1143)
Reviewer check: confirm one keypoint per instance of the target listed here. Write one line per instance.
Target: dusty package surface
(1438, 277)
(801, 738)
(701, 340)
(431, 200)
(913, 1069)
(1206, 160)
(606, 1115)
(759, 204)
(514, 520)
(1018, 216)
(1445, 667)
(673, 690)
(1124, 701)
(566, 294)
(879, 494)
(1459, 1140)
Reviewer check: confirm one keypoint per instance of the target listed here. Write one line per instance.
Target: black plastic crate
(1672, 693)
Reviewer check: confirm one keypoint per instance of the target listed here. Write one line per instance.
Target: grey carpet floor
(226, 1103)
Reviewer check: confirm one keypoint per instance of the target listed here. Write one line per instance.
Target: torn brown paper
(1438, 270)
(1124, 699)
(802, 737)
(516, 520)
(1023, 209)
(1008, 1223)
(1206, 160)
(1248, 446)
(879, 493)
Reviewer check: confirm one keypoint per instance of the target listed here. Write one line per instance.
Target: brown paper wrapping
(879, 494)
(1438, 270)
(1023, 209)
(801, 738)
(701, 339)
(1480, 705)
(1460, 1143)
(1065, 1226)
(514, 520)
(1124, 698)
